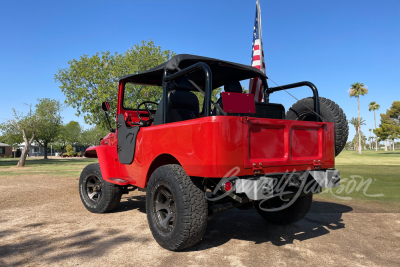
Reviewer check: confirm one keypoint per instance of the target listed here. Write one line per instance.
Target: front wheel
(176, 208)
(97, 195)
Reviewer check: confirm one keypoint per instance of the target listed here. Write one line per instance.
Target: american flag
(257, 56)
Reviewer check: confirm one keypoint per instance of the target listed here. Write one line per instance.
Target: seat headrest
(233, 87)
(180, 83)
(179, 99)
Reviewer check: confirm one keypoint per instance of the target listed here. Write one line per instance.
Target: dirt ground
(43, 223)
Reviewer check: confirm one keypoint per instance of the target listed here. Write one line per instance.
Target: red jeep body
(243, 153)
(212, 146)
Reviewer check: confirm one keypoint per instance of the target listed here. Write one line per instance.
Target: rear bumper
(327, 178)
(308, 183)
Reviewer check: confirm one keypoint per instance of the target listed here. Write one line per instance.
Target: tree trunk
(376, 137)
(356, 143)
(359, 127)
(386, 145)
(45, 150)
(21, 161)
(393, 143)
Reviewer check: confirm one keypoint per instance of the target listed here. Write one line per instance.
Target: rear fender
(159, 161)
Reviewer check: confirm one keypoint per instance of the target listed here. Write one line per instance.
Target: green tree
(11, 136)
(356, 123)
(91, 136)
(372, 107)
(70, 133)
(356, 90)
(93, 79)
(382, 134)
(390, 122)
(26, 126)
(49, 120)
(215, 94)
(349, 145)
(369, 138)
(70, 151)
(363, 139)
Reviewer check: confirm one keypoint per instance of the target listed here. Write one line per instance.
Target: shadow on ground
(132, 203)
(323, 218)
(86, 244)
(54, 247)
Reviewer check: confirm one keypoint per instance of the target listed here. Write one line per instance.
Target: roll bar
(314, 89)
(208, 84)
(208, 87)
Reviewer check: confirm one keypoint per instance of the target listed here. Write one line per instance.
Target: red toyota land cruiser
(193, 159)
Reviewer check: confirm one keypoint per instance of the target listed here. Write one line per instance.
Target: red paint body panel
(238, 102)
(213, 146)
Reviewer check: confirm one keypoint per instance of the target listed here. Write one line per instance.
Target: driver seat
(182, 104)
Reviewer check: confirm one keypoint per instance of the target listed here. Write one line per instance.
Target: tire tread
(339, 118)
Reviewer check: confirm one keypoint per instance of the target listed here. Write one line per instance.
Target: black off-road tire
(189, 208)
(330, 111)
(110, 194)
(293, 213)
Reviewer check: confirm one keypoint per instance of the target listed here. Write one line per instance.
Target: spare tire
(330, 112)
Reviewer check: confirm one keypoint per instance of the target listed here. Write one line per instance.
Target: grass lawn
(381, 170)
(57, 167)
(371, 173)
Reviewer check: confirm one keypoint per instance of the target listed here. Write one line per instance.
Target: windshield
(134, 94)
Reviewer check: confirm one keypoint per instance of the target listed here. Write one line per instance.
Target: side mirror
(105, 106)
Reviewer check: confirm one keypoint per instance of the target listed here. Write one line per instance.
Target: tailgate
(274, 142)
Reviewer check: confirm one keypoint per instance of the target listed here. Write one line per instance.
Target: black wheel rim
(93, 189)
(164, 208)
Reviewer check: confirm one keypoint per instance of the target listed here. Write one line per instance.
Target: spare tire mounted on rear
(330, 112)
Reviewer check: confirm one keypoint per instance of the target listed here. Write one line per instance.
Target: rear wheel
(176, 208)
(330, 111)
(97, 195)
(292, 213)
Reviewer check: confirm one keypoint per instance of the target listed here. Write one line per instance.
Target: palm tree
(372, 107)
(369, 139)
(356, 123)
(356, 90)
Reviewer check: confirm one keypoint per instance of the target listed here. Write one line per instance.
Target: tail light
(227, 186)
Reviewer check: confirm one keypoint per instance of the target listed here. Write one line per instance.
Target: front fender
(90, 152)
(111, 169)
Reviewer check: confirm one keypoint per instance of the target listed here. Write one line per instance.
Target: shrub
(70, 151)
(79, 154)
(10, 156)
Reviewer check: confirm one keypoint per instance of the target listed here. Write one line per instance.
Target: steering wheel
(151, 116)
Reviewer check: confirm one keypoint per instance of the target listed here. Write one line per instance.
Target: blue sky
(330, 43)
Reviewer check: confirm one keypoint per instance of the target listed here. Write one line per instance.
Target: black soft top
(222, 71)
